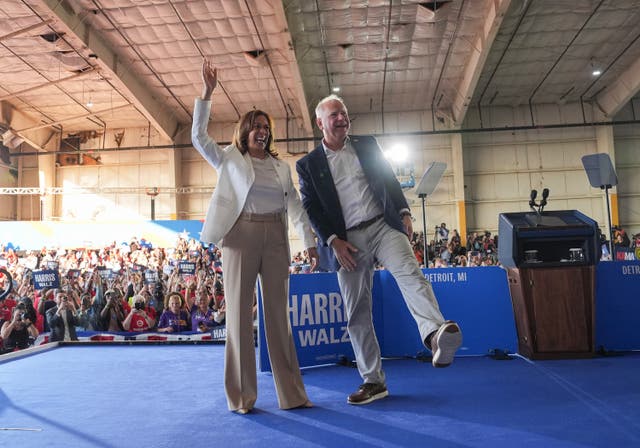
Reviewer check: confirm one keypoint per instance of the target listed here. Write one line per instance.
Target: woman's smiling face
(174, 304)
(259, 134)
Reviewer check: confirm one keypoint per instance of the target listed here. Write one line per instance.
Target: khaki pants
(257, 245)
(392, 249)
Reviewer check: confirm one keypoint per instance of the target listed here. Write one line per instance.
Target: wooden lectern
(554, 311)
(552, 289)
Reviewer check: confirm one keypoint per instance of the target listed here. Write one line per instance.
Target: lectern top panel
(553, 219)
(548, 239)
(541, 220)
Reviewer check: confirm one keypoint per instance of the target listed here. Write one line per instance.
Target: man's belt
(367, 223)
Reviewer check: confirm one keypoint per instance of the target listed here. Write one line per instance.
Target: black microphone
(532, 201)
(545, 195)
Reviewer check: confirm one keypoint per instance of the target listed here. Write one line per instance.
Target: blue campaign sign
(106, 273)
(187, 267)
(151, 276)
(46, 279)
(318, 321)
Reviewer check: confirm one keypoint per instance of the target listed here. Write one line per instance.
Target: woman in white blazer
(247, 217)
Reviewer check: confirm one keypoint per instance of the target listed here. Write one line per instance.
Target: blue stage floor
(172, 396)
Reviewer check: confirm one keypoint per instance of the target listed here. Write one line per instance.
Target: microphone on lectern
(545, 195)
(532, 200)
(543, 201)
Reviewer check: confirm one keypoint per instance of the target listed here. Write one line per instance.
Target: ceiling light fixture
(595, 70)
(335, 89)
(398, 153)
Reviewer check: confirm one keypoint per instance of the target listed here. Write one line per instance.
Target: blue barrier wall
(477, 298)
(618, 305)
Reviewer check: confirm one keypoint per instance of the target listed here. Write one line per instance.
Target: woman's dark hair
(130, 291)
(244, 127)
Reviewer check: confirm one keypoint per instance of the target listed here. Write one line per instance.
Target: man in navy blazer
(357, 208)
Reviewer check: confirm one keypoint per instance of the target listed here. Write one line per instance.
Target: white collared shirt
(356, 197)
(265, 195)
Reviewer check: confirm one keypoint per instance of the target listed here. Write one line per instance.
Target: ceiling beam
(117, 70)
(619, 92)
(24, 30)
(481, 47)
(297, 88)
(47, 84)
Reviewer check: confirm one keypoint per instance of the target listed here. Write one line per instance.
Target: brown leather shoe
(445, 343)
(367, 393)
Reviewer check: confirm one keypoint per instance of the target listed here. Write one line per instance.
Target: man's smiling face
(334, 123)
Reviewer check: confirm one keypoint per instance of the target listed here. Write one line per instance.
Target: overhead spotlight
(397, 153)
(595, 69)
(335, 89)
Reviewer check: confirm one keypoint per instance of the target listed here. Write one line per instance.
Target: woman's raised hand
(209, 79)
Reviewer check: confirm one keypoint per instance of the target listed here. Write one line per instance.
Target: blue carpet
(172, 396)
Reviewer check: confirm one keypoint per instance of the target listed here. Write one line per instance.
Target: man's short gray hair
(326, 99)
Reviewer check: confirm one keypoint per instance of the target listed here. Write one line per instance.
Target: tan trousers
(257, 245)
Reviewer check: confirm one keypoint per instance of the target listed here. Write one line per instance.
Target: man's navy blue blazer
(320, 198)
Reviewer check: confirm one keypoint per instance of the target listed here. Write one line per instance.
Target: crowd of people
(446, 248)
(121, 288)
(126, 300)
(623, 243)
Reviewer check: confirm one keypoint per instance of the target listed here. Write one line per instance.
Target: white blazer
(235, 178)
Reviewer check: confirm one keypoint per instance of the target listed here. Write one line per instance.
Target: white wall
(502, 168)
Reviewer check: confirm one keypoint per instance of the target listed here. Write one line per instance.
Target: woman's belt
(262, 217)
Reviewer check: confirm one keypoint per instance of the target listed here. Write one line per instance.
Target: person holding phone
(62, 319)
(139, 318)
(114, 311)
(19, 332)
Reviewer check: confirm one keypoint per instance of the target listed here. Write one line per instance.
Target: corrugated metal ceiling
(87, 65)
